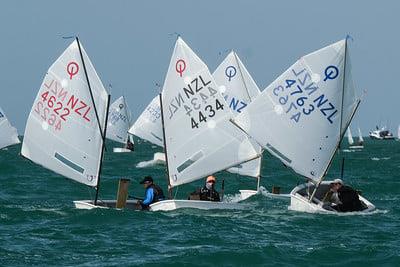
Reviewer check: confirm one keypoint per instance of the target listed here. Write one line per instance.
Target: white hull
(173, 204)
(102, 204)
(159, 158)
(356, 147)
(121, 150)
(170, 204)
(245, 194)
(299, 200)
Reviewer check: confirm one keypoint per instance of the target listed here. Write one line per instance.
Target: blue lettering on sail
(296, 94)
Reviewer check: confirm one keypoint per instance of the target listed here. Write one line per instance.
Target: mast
(102, 153)
(248, 95)
(341, 123)
(103, 135)
(165, 148)
(90, 88)
(333, 154)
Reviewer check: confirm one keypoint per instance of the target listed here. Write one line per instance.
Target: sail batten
(66, 125)
(302, 116)
(200, 139)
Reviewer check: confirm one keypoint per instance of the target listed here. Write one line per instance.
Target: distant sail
(62, 132)
(119, 118)
(349, 137)
(8, 134)
(148, 126)
(200, 139)
(398, 132)
(297, 118)
(238, 88)
(360, 138)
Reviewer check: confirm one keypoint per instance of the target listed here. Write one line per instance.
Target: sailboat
(66, 128)
(8, 134)
(238, 89)
(360, 142)
(199, 139)
(149, 127)
(119, 118)
(301, 118)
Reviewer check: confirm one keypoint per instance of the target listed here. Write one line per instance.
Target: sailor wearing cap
(153, 193)
(208, 192)
(348, 199)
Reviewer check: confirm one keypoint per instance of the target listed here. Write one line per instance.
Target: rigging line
(165, 148)
(102, 151)
(343, 85)
(90, 89)
(241, 75)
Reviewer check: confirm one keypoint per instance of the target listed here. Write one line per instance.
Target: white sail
(349, 137)
(297, 118)
(8, 134)
(360, 138)
(398, 132)
(200, 139)
(119, 118)
(238, 89)
(62, 132)
(148, 126)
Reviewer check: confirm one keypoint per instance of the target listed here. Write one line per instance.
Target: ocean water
(40, 226)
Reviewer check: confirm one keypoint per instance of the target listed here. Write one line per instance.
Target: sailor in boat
(207, 192)
(343, 198)
(129, 145)
(153, 193)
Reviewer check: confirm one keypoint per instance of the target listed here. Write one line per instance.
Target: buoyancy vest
(158, 193)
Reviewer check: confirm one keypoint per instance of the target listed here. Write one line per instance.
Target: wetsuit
(153, 194)
(349, 200)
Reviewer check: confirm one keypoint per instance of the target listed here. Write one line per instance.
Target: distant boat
(381, 134)
(66, 128)
(352, 145)
(8, 134)
(119, 117)
(290, 120)
(148, 127)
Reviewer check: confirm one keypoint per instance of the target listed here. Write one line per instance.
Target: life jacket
(350, 200)
(209, 194)
(158, 193)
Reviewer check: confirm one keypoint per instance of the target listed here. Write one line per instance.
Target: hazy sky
(130, 43)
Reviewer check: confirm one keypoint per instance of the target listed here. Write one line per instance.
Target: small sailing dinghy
(148, 127)
(352, 144)
(119, 118)
(301, 118)
(199, 139)
(8, 134)
(238, 89)
(66, 127)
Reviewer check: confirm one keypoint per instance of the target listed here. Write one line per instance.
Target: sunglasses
(211, 182)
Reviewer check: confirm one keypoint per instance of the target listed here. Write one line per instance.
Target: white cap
(337, 181)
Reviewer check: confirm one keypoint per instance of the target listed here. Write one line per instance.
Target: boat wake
(377, 159)
(158, 159)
